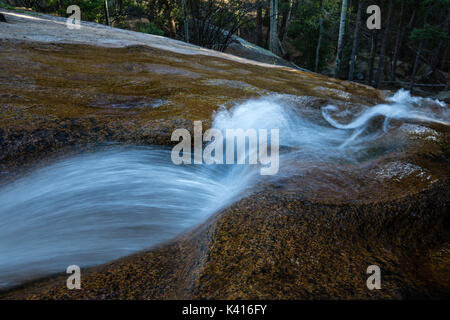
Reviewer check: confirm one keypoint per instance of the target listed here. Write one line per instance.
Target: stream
(96, 207)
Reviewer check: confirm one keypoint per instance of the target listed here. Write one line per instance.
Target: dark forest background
(327, 36)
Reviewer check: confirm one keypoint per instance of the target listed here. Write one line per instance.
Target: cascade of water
(95, 207)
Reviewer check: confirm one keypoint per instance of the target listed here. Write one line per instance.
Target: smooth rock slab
(311, 234)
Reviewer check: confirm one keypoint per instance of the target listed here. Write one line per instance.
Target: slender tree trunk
(259, 24)
(435, 58)
(373, 50)
(271, 24)
(170, 19)
(448, 80)
(291, 8)
(267, 39)
(437, 51)
(108, 22)
(416, 62)
(273, 44)
(399, 40)
(173, 27)
(444, 58)
(384, 45)
(186, 22)
(444, 64)
(319, 41)
(416, 66)
(341, 37)
(355, 41)
(373, 53)
(285, 20)
(283, 23)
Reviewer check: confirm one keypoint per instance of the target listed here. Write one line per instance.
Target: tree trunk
(108, 22)
(267, 39)
(285, 20)
(416, 62)
(444, 58)
(319, 41)
(355, 41)
(448, 80)
(273, 44)
(291, 8)
(341, 37)
(373, 50)
(399, 40)
(373, 53)
(384, 45)
(170, 19)
(437, 51)
(259, 24)
(416, 66)
(271, 25)
(186, 23)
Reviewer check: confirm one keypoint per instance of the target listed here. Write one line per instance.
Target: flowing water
(96, 207)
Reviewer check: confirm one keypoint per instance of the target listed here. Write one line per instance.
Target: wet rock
(444, 96)
(310, 234)
(127, 103)
(276, 245)
(50, 86)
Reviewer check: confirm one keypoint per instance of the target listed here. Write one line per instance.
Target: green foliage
(9, 7)
(149, 28)
(432, 34)
(214, 22)
(438, 3)
(6, 6)
(305, 28)
(429, 33)
(91, 10)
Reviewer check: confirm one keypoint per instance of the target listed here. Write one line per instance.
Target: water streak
(96, 207)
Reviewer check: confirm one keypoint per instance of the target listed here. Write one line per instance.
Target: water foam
(402, 106)
(93, 208)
